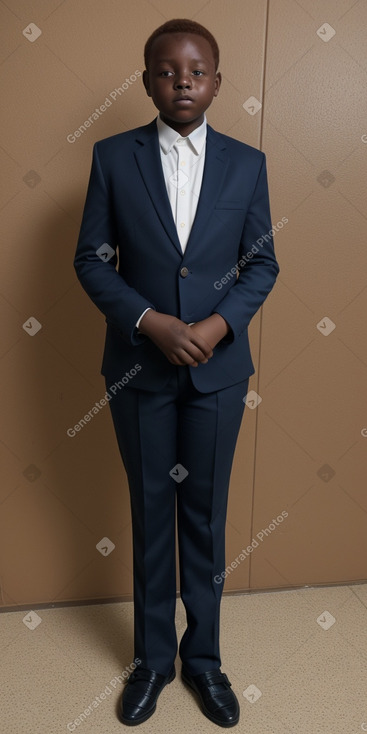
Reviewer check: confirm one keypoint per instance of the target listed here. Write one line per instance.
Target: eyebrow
(170, 61)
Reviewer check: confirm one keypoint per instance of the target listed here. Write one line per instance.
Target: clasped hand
(183, 344)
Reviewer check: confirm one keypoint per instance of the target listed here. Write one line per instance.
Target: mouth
(183, 99)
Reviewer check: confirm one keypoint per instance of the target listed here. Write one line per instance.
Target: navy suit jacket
(222, 270)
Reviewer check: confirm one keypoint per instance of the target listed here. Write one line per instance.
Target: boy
(183, 206)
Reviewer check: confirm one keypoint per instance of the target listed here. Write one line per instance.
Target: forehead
(170, 46)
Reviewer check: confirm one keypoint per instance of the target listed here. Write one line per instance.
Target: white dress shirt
(183, 165)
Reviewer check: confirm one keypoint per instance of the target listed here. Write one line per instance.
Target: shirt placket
(182, 191)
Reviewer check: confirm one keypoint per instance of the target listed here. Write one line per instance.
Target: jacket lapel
(215, 167)
(149, 163)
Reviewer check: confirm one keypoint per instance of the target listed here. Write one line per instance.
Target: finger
(189, 356)
(183, 362)
(200, 344)
(196, 353)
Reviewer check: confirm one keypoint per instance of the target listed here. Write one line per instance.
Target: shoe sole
(204, 710)
(135, 722)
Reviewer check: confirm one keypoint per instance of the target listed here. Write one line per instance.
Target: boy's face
(181, 79)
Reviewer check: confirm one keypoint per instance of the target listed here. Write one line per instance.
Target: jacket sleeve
(96, 258)
(257, 264)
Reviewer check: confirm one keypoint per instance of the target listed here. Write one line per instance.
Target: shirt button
(184, 272)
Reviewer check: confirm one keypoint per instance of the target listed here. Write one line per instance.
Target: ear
(146, 82)
(217, 83)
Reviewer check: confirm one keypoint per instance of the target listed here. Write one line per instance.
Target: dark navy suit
(167, 415)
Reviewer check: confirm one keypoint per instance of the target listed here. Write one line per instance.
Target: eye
(165, 73)
(197, 72)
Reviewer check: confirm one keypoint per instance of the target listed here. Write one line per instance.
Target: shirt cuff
(140, 317)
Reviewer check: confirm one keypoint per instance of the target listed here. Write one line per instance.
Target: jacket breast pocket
(222, 204)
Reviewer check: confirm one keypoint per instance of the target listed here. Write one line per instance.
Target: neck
(183, 128)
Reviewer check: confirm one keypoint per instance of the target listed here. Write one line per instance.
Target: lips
(183, 99)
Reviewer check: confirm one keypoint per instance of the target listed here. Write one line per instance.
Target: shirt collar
(168, 136)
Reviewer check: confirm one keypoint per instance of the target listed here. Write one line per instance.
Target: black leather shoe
(139, 699)
(217, 701)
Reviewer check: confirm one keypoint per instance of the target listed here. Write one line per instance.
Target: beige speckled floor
(297, 661)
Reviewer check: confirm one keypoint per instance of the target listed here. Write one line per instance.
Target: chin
(185, 115)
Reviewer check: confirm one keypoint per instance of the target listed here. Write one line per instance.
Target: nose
(183, 81)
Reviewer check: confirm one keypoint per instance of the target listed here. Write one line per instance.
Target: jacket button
(184, 272)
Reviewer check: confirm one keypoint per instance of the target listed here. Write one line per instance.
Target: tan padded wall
(302, 450)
